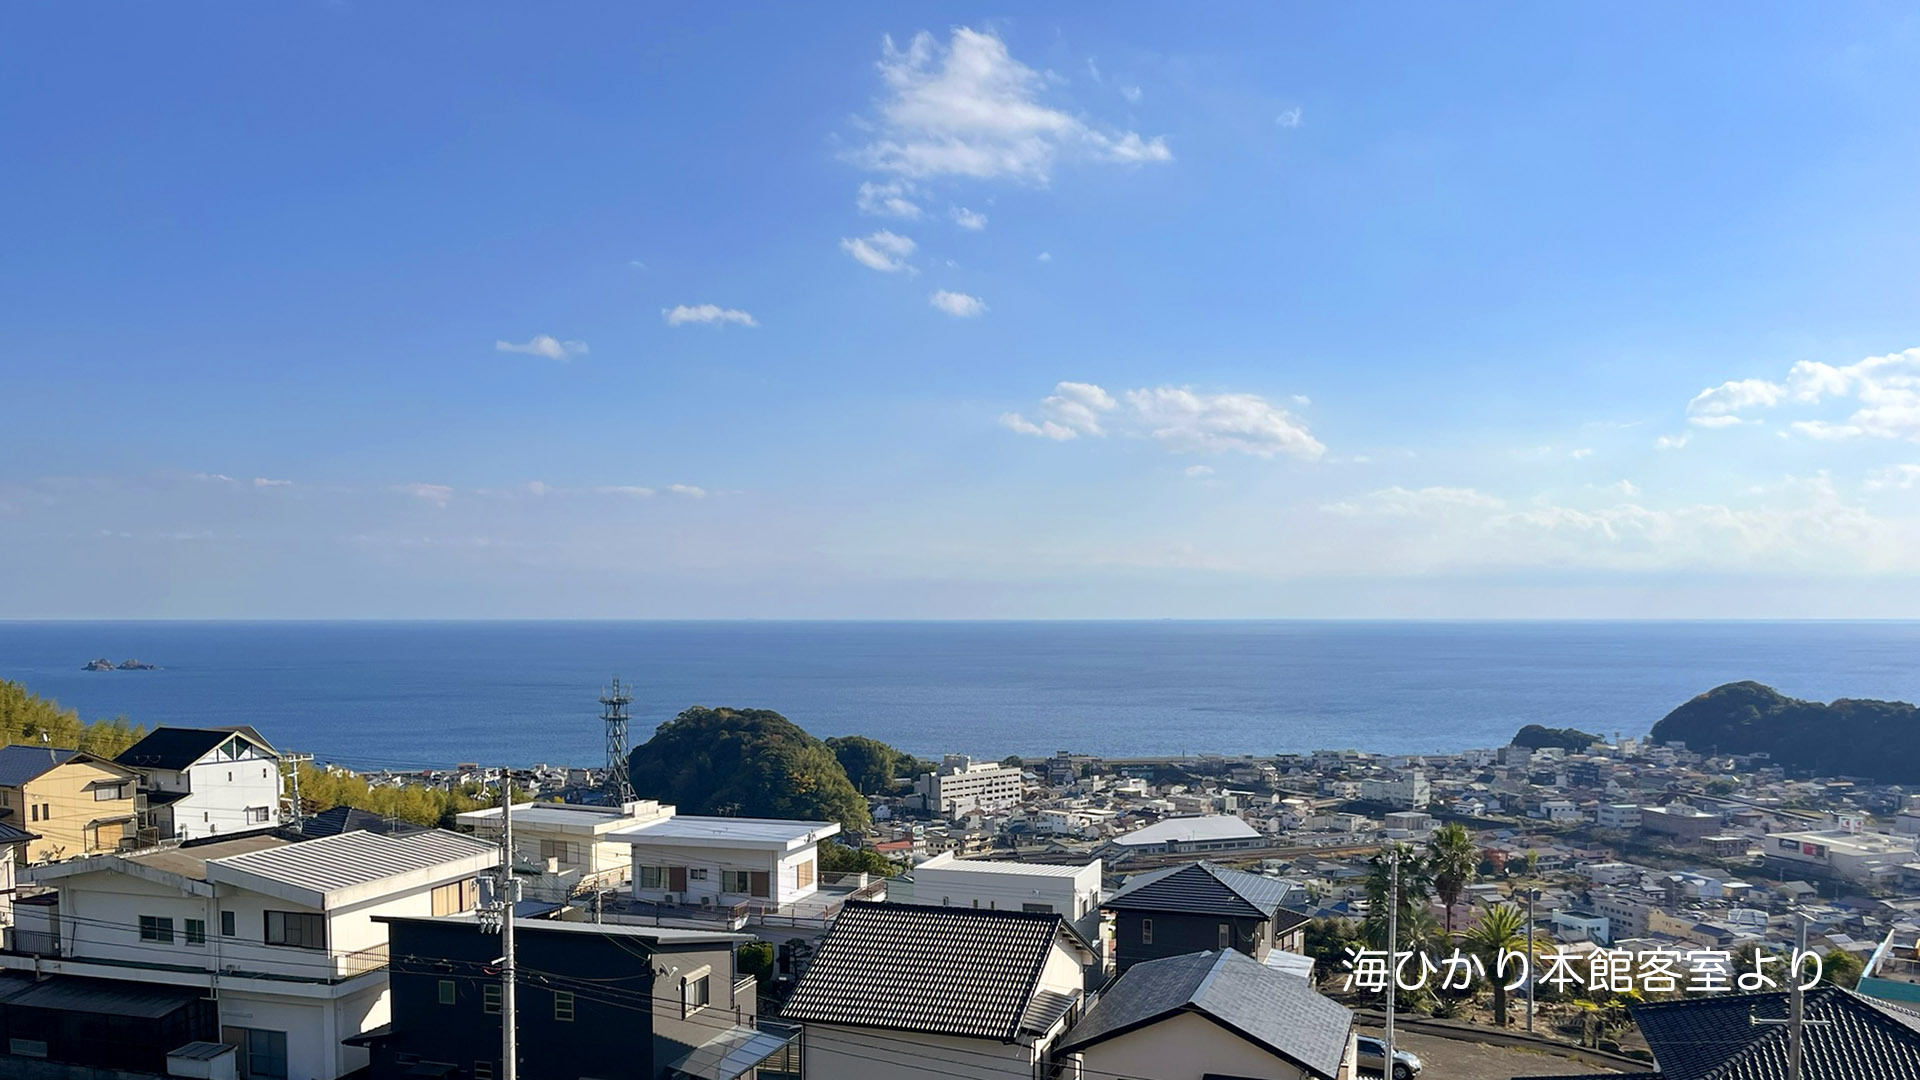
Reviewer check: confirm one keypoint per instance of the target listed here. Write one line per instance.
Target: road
(1448, 1059)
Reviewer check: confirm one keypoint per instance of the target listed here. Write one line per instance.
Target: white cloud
(1716, 420)
(1289, 117)
(884, 251)
(1045, 256)
(1885, 388)
(545, 346)
(1182, 420)
(437, 494)
(1627, 488)
(968, 108)
(1301, 400)
(706, 314)
(958, 304)
(687, 490)
(1671, 442)
(889, 199)
(1133, 94)
(1400, 501)
(213, 478)
(1199, 471)
(629, 490)
(1581, 453)
(263, 482)
(1894, 476)
(969, 219)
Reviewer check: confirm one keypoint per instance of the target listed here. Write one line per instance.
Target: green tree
(25, 717)
(756, 959)
(1329, 942)
(1014, 761)
(745, 763)
(873, 767)
(324, 789)
(1454, 860)
(838, 858)
(1416, 886)
(1841, 968)
(1499, 930)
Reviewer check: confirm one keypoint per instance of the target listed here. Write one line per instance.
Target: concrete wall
(1185, 1047)
(936, 882)
(845, 1053)
(783, 872)
(223, 791)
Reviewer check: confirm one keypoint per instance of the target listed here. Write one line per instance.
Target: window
(109, 792)
(483, 1070)
(697, 873)
(563, 1005)
(696, 992)
(297, 929)
(447, 995)
(735, 881)
(1146, 931)
(803, 874)
(256, 815)
(265, 1054)
(33, 1048)
(652, 877)
(227, 927)
(34, 811)
(564, 850)
(1044, 908)
(156, 928)
(196, 931)
(1226, 935)
(456, 896)
(490, 998)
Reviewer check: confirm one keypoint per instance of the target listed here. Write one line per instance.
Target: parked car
(1373, 1057)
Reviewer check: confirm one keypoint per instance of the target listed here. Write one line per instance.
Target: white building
(200, 782)
(1843, 853)
(723, 862)
(962, 785)
(1573, 925)
(1560, 811)
(572, 847)
(1409, 791)
(1617, 816)
(284, 936)
(1609, 873)
(1188, 835)
(996, 885)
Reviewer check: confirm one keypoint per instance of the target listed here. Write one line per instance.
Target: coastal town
(183, 908)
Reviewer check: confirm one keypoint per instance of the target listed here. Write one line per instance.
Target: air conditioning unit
(706, 901)
(671, 898)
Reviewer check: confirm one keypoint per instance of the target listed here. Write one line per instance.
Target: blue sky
(355, 310)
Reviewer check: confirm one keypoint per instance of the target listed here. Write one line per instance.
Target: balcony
(813, 912)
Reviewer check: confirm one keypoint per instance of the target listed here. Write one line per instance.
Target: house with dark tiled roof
(200, 782)
(1200, 906)
(1847, 1036)
(1212, 1014)
(905, 989)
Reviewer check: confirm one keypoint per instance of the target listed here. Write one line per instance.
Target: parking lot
(1447, 1059)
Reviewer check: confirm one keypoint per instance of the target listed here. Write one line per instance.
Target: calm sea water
(432, 693)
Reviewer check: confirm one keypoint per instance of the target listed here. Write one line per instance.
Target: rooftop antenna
(613, 712)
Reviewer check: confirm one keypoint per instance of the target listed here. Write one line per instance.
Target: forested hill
(1876, 739)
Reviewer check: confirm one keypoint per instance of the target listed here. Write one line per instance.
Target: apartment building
(962, 785)
(1409, 791)
(201, 782)
(280, 941)
(1617, 816)
(75, 804)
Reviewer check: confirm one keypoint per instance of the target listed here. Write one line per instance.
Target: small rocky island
(104, 664)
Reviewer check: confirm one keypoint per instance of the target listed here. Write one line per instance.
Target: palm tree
(1498, 931)
(1415, 887)
(1454, 860)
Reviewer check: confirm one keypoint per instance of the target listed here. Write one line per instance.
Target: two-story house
(200, 782)
(573, 849)
(75, 804)
(1200, 906)
(722, 861)
(998, 885)
(590, 1000)
(907, 989)
(282, 936)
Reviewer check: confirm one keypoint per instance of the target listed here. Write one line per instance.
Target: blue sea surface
(413, 694)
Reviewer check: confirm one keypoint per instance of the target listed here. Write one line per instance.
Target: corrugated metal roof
(342, 861)
(1207, 827)
(201, 1051)
(943, 971)
(104, 996)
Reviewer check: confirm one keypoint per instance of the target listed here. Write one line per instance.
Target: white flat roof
(1003, 866)
(563, 816)
(1210, 827)
(688, 831)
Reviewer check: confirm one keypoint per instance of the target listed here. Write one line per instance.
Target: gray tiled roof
(1201, 888)
(19, 764)
(937, 970)
(1714, 1038)
(1281, 1012)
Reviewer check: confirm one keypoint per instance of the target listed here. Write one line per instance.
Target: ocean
(417, 694)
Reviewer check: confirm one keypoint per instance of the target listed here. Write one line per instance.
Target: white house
(284, 936)
(905, 989)
(997, 885)
(723, 861)
(572, 847)
(200, 782)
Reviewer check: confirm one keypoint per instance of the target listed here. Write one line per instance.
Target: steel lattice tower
(613, 712)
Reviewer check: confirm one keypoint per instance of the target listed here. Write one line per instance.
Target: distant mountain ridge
(1849, 737)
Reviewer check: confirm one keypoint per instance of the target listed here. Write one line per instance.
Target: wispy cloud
(888, 199)
(1894, 476)
(958, 304)
(545, 346)
(1671, 442)
(706, 315)
(1290, 117)
(437, 494)
(263, 482)
(970, 220)
(1045, 256)
(687, 491)
(884, 251)
(968, 108)
(1182, 420)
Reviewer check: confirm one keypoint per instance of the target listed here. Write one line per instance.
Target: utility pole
(294, 761)
(1532, 893)
(496, 916)
(1393, 951)
(1796, 1021)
